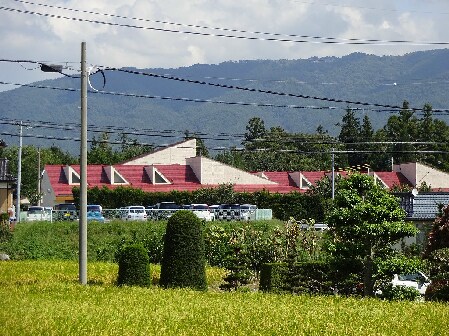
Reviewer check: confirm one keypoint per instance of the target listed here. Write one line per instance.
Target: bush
(438, 290)
(5, 229)
(399, 293)
(134, 266)
(273, 277)
(183, 261)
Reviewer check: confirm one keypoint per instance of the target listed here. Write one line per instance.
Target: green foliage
(438, 237)
(438, 290)
(133, 266)
(5, 229)
(303, 278)
(273, 277)
(236, 262)
(365, 221)
(399, 293)
(183, 262)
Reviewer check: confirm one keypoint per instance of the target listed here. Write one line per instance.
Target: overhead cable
(321, 40)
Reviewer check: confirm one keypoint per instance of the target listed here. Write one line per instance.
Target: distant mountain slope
(418, 77)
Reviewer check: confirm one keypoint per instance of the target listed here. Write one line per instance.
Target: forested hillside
(419, 78)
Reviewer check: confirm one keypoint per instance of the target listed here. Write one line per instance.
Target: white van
(39, 213)
(133, 212)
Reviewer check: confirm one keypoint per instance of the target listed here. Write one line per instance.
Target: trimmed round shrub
(183, 261)
(133, 266)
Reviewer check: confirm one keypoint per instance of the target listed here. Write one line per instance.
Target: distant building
(7, 185)
(178, 168)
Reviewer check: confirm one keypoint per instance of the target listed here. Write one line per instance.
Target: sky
(173, 33)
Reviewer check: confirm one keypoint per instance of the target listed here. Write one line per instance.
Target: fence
(161, 214)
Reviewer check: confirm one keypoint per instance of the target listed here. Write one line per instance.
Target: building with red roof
(178, 168)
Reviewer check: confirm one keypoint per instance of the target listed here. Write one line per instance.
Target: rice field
(45, 298)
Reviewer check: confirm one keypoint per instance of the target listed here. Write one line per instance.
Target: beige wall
(213, 172)
(6, 199)
(418, 173)
(176, 154)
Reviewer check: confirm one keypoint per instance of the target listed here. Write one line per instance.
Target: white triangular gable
(73, 178)
(155, 176)
(114, 176)
(209, 171)
(175, 154)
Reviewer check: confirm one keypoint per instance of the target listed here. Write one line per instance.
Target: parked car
(416, 280)
(133, 212)
(95, 216)
(228, 212)
(94, 207)
(316, 227)
(165, 210)
(202, 211)
(248, 212)
(65, 211)
(39, 213)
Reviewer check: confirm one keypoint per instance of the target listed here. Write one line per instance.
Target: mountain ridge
(419, 77)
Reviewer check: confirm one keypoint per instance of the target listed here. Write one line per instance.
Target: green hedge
(284, 206)
(183, 262)
(133, 266)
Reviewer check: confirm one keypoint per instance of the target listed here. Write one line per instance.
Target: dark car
(228, 212)
(65, 211)
(165, 210)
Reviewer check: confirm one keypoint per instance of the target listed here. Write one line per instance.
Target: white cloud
(26, 36)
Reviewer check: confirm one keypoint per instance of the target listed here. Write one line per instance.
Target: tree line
(408, 136)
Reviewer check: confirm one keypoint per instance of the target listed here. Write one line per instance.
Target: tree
(350, 135)
(403, 129)
(184, 261)
(254, 130)
(101, 151)
(365, 222)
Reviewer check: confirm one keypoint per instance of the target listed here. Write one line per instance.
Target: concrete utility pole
(333, 174)
(19, 173)
(83, 171)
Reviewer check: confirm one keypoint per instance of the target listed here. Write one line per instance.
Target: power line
(315, 39)
(385, 106)
(395, 107)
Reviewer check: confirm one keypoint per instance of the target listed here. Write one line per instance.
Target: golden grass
(44, 298)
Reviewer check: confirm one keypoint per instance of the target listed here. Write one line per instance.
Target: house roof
(393, 179)
(181, 177)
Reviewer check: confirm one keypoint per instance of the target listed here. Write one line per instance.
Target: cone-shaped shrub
(133, 266)
(183, 261)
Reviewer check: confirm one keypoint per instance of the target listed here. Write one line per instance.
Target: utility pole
(39, 176)
(83, 171)
(333, 174)
(19, 173)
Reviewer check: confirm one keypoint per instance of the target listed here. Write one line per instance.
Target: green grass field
(45, 298)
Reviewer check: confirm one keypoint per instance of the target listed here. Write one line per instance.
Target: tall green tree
(350, 136)
(365, 222)
(403, 130)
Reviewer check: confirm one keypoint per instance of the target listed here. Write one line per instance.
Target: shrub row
(284, 206)
(59, 240)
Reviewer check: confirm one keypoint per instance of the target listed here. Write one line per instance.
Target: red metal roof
(392, 179)
(182, 178)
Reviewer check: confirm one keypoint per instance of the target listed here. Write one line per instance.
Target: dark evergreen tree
(184, 262)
